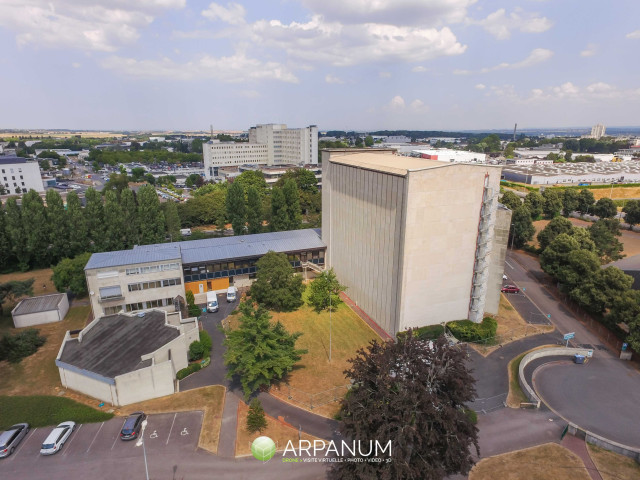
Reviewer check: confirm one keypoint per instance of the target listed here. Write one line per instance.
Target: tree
(522, 228)
(94, 215)
(236, 208)
(535, 203)
(368, 141)
(256, 419)
(325, 291)
(632, 213)
(16, 234)
(5, 244)
(359, 142)
(57, 226)
(44, 164)
(192, 179)
(555, 255)
(78, 235)
(292, 198)
(510, 200)
(114, 226)
(258, 351)
(117, 182)
(602, 290)
(14, 289)
(413, 393)
(279, 211)
(567, 155)
(34, 222)
(581, 264)
(552, 205)
(604, 233)
(150, 217)
(570, 201)
(172, 220)
(554, 228)
(254, 210)
(252, 178)
(305, 179)
(585, 201)
(68, 274)
(137, 174)
(605, 208)
(276, 286)
(130, 218)
(582, 236)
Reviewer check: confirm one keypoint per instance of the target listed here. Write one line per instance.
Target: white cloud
(568, 91)
(76, 65)
(418, 106)
(590, 51)
(500, 25)
(193, 34)
(481, 86)
(232, 14)
(333, 79)
(537, 55)
(419, 68)
(633, 35)
(384, 74)
(339, 45)
(87, 25)
(396, 103)
(232, 69)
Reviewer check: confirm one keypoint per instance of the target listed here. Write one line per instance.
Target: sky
(347, 65)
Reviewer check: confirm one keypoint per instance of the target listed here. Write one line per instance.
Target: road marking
(508, 264)
(94, 438)
(184, 432)
(66, 450)
(154, 435)
(118, 435)
(174, 421)
(22, 443)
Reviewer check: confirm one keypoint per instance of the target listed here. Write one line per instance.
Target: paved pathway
(227, 443)
(579, 447)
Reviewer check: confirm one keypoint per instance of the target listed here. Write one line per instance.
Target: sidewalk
(579, 447)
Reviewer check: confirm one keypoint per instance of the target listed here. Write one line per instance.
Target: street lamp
(144, 451)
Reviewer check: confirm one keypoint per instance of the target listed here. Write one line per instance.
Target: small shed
(38, 310)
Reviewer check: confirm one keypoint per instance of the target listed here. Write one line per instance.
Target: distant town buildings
(18, 175)
(452, 156)
(598, 131)
(581, 172)
(270, 144)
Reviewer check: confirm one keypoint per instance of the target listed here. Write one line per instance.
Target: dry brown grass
(516, 396)
(613, 466)
(42, 285)
(545, 462)
(38, 374)
(616, 193)
(209, 400)
(276, 430)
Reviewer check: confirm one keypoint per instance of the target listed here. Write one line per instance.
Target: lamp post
(329, 326)
(144, 451)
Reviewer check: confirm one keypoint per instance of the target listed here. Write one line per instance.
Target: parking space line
(116, 439)
(174, 421)
(94, 438)
(74, 434)
(15, 454)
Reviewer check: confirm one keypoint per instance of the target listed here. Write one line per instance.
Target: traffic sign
(569, 336)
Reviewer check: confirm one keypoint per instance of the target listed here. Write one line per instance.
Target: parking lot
(170, 434)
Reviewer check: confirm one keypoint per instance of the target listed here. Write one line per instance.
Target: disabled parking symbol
(154, 434)
(184, 432)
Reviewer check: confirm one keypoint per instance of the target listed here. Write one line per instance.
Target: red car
(510, 289)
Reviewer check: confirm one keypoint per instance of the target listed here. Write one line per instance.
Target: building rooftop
(114, 344)
(384, 161)
(578, 168)
(12, 160)
(211, 249)
(43, 303)
(628, 263)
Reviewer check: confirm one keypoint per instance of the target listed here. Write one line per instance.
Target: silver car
(11, 437)
(57, 438)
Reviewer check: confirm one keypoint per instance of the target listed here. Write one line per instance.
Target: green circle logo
(263, 448)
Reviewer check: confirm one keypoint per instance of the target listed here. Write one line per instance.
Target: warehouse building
(124, 359)
(17, 175)
(38, 310)
(417, 242)
(573, 173)
(158, 276)
(449, 155)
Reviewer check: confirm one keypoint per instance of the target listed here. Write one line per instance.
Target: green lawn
(42, 410)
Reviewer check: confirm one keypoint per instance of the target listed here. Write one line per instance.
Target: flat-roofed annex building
(159, 275)
(417, 242)
(17, 175)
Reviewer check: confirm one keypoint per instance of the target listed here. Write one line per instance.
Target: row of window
(19, 170)
(13, 178)
(161, 302)
(169, 282)
(153, 268)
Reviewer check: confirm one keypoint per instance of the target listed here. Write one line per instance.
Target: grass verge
(613, 466)
(44, 410)
(276, 430)
(209, 400)
(516, 395)
(545, 462)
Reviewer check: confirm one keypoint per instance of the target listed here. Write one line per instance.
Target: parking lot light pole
(144, 451)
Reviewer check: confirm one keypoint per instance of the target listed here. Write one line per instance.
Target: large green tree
(130, 218)
(522, 228)
(511, 200)
(632, 212)
(535, 203)
(5, 243)
(172, 220)
(58, 226)
(258, 351)
(237, 208)
(414, 394)
(14, 289)
(68, 274)
(276, 286)
(604, 234)
(114, 230)
(605, 208)
(600, 291)
(34, 221)
(552, 205)
(150, 217)
(254, 210)
(253, 178)
(554, 228)
(279, 211)
(292, 198)
(570, 201)
(324, 291)
(78, 228)
(586, 201)
(556, 255)
(94, 215)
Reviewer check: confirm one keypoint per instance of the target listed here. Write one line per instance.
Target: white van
(232, 294)
(185, 232)
(212, 302)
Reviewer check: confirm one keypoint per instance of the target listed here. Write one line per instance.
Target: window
(110, 292)
(112, 310)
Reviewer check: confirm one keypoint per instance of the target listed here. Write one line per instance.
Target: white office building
(17, 175)
(598, 131)
(270, 144)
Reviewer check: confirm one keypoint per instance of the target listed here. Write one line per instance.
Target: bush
(471, 415)
(194, 311)
(185, 372)
(467, 331)
(21, 345)
(205, 341)
(190, 297)
(196, 351)
(430, 332)
(256, 419)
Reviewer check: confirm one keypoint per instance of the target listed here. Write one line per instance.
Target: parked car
(504, 277)
(57, 438)
(11, 437)
(132, 426)
(232, 294)
(510, 289)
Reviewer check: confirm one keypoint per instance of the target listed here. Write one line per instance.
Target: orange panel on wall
(216, 284)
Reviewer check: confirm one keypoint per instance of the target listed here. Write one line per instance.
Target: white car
(504, 277)
(57, 438)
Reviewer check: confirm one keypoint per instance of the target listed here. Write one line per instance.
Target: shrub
(196, 351)
(205, 341)
(256, 419)
(471, 415)
(194, 311)
(467, 331)
(185, 372)
(21, 345)
(190, 297)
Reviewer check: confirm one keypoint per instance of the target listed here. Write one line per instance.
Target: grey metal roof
(12, 160)
(115, 344)
(142, 254)
(43, 303)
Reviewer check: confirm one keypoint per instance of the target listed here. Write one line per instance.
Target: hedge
(185, 372)
(468, 331)
(21, 345)
(43, 410)
(430, 332)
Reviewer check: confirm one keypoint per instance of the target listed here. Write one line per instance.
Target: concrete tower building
(417, 242)
(598, 131)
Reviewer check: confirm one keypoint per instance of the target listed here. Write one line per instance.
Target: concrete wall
(29, 171)
(79, 380)
(146, 383)
(604, 443)
(39, 318)
(362, 226)
(498, 256)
